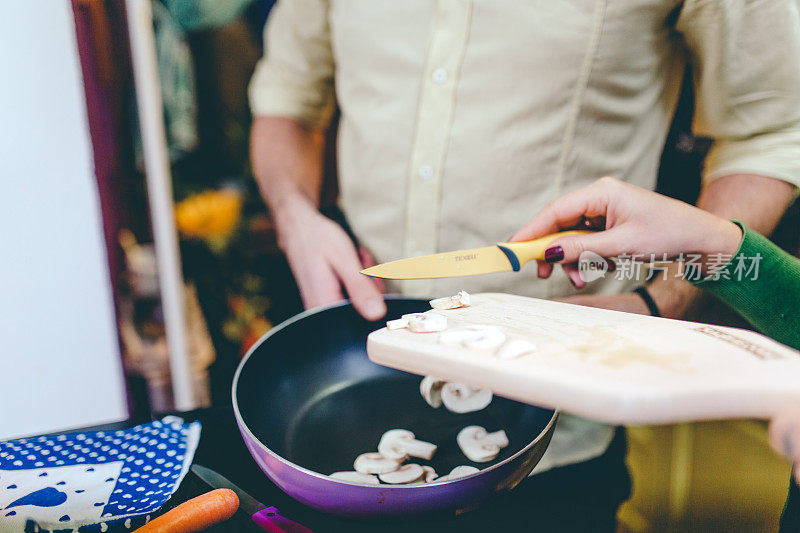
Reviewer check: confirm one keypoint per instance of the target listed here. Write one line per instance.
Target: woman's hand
(634, 220)
(784, 435)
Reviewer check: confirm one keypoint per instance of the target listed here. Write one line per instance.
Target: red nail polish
(554, 254)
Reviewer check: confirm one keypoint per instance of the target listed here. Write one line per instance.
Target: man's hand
(324, 260)
(287, 162)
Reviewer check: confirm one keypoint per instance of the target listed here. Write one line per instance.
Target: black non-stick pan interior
(310, 394)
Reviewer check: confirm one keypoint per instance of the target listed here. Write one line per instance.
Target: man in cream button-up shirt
(460, 119)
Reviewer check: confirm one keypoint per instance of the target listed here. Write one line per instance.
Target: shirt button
(440, 75)
(425, 172)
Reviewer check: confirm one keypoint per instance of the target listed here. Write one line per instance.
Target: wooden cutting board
(614, 367)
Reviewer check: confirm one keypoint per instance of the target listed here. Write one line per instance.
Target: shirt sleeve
(767, 294)
(295, 77)
(745, 56)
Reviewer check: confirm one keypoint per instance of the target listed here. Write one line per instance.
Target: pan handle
(270, 519)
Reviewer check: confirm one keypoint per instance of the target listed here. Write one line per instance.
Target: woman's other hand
(784, 435)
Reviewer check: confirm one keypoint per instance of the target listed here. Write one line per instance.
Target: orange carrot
(196, 514)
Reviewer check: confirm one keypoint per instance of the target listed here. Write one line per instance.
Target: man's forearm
(757, 201)
(287, 163)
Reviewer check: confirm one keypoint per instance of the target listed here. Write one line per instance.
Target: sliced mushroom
(431, 389)
(515, 348)
(480, 446)
(457, 335)
(427, 322)
(459, 471)
(490, 338)
(429, 473)
(461, 398)
(400, 323)
(428, 476)
(451, 302)
(474, 337)
(400, 443)
(405, 474)
(356, 477)
(375, 463)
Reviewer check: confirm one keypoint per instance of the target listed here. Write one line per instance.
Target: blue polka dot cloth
(94, 481)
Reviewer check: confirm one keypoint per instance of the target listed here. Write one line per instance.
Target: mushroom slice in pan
(474, 336)
(480, 446)
(451, 302)
(431, 389)
(405, 474)
(375, 463)
(426, 322)
(429, 473)
(461, 398)
(428, 477)
(400, 443)
(459, 471)
(356, 477)
(516, 348)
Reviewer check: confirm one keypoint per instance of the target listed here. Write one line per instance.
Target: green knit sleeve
(762, 283)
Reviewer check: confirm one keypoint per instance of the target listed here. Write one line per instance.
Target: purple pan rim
(308, 312)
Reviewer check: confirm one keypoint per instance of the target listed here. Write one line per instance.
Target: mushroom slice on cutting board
(515, 348)
(461, 398)
(400, 443)
(405, 474)
(356, 477)
(474, 337)
(375, 463)
(431, 389)
(459, 471)
(451, 302)
(426, 322)
(400, 323)
(480, 446)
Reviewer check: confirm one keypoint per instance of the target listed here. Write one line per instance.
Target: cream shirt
(462, 118)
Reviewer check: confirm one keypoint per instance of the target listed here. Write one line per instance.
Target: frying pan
(308, 401)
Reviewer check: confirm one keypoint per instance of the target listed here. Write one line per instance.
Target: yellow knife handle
(521, 252)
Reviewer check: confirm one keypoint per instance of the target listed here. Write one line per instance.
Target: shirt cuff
(774, 155)
(275, 92)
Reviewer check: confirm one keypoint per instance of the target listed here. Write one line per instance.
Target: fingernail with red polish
(554, 254)
(612, 266)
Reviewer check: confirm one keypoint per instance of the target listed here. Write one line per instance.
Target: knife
(502, 257)
(267, 518)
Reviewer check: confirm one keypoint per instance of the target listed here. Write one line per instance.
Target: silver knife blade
(247, 503)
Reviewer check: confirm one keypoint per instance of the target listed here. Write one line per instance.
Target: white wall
(59, 358)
